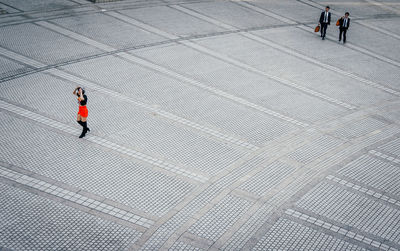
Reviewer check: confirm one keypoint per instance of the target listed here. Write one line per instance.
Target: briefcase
(316, 28)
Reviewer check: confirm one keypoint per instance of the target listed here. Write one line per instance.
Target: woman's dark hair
(77, 91)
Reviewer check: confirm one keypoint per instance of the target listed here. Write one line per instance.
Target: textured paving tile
(184, 247)
(344, 207)
(289, 235)
(359, 128)
(105, 174)
(39, 5)
(215, 125)
(31, 222)
(294, 10)
(286, 64)
(374, 172)
(233, 14)
(50, 47)
(369, 68)
(108, 30)
(271, 175)
(74, 197)
(240, 82)
(392, 147)
(147, 133)
(339, 230)
(172, 21)
(315, 149)
(10, 68)
(218, 220)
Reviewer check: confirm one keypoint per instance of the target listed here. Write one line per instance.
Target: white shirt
(345, 22)
(326, 17)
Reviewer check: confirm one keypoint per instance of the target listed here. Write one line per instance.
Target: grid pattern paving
(392, 147)
(289, 235)
(212, 89)
(343, 206)
(181, 98)
(369, 70)
(339, 230)
(222, 76)
(218, 220)
(204, 198)
(215, 125)
(243, 235)
(182, 246)
(50, 47)
(359, 128)
(75, 197)
(108, 30)
(374, 172)
(10, 67)
(157, 110)
(364, 190)
(31, 222)
(315, 149)
(112, 175)
(172, 21)
(102, 142)
(270, 176)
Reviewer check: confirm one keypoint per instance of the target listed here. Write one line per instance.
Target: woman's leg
(84, 120)
(84, 125)
(79, 119)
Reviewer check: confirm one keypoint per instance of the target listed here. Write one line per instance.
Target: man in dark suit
(324, 21)
(344, 25)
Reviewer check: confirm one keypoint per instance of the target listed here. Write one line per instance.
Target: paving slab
(215, 125)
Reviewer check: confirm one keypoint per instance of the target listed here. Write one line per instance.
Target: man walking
(324, 21)
(344, 25)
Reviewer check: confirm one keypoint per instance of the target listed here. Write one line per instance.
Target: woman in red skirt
(83, 111)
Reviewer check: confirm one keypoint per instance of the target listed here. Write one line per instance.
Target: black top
(341, 22)
(322, 17)
(84, 101)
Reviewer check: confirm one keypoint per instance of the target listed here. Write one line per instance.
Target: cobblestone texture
(314, 150)
(374, 172)
(289, 235)
(220, 218)
(267, 178)
(215, 125)
(342, 206)
(30, 222)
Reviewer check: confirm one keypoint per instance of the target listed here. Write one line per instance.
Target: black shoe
(323, 38)
(88, 129)
(83, 134)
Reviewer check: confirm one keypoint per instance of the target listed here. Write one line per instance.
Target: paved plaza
(215, 125)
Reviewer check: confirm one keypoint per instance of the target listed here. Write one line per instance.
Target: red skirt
(83, 111)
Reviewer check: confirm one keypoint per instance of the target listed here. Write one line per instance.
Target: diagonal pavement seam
(76, 197)
(165, 165)
(164, 70)
(224, 137)
(305, 57)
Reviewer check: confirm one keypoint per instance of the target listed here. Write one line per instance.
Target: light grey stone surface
(215, 125)
(31, 222)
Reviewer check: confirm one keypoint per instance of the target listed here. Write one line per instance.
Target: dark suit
(344, 25)
(324, 21)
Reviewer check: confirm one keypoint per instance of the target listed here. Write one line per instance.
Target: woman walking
(83, 111)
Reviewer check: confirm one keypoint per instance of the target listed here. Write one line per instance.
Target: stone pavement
(216, 125)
